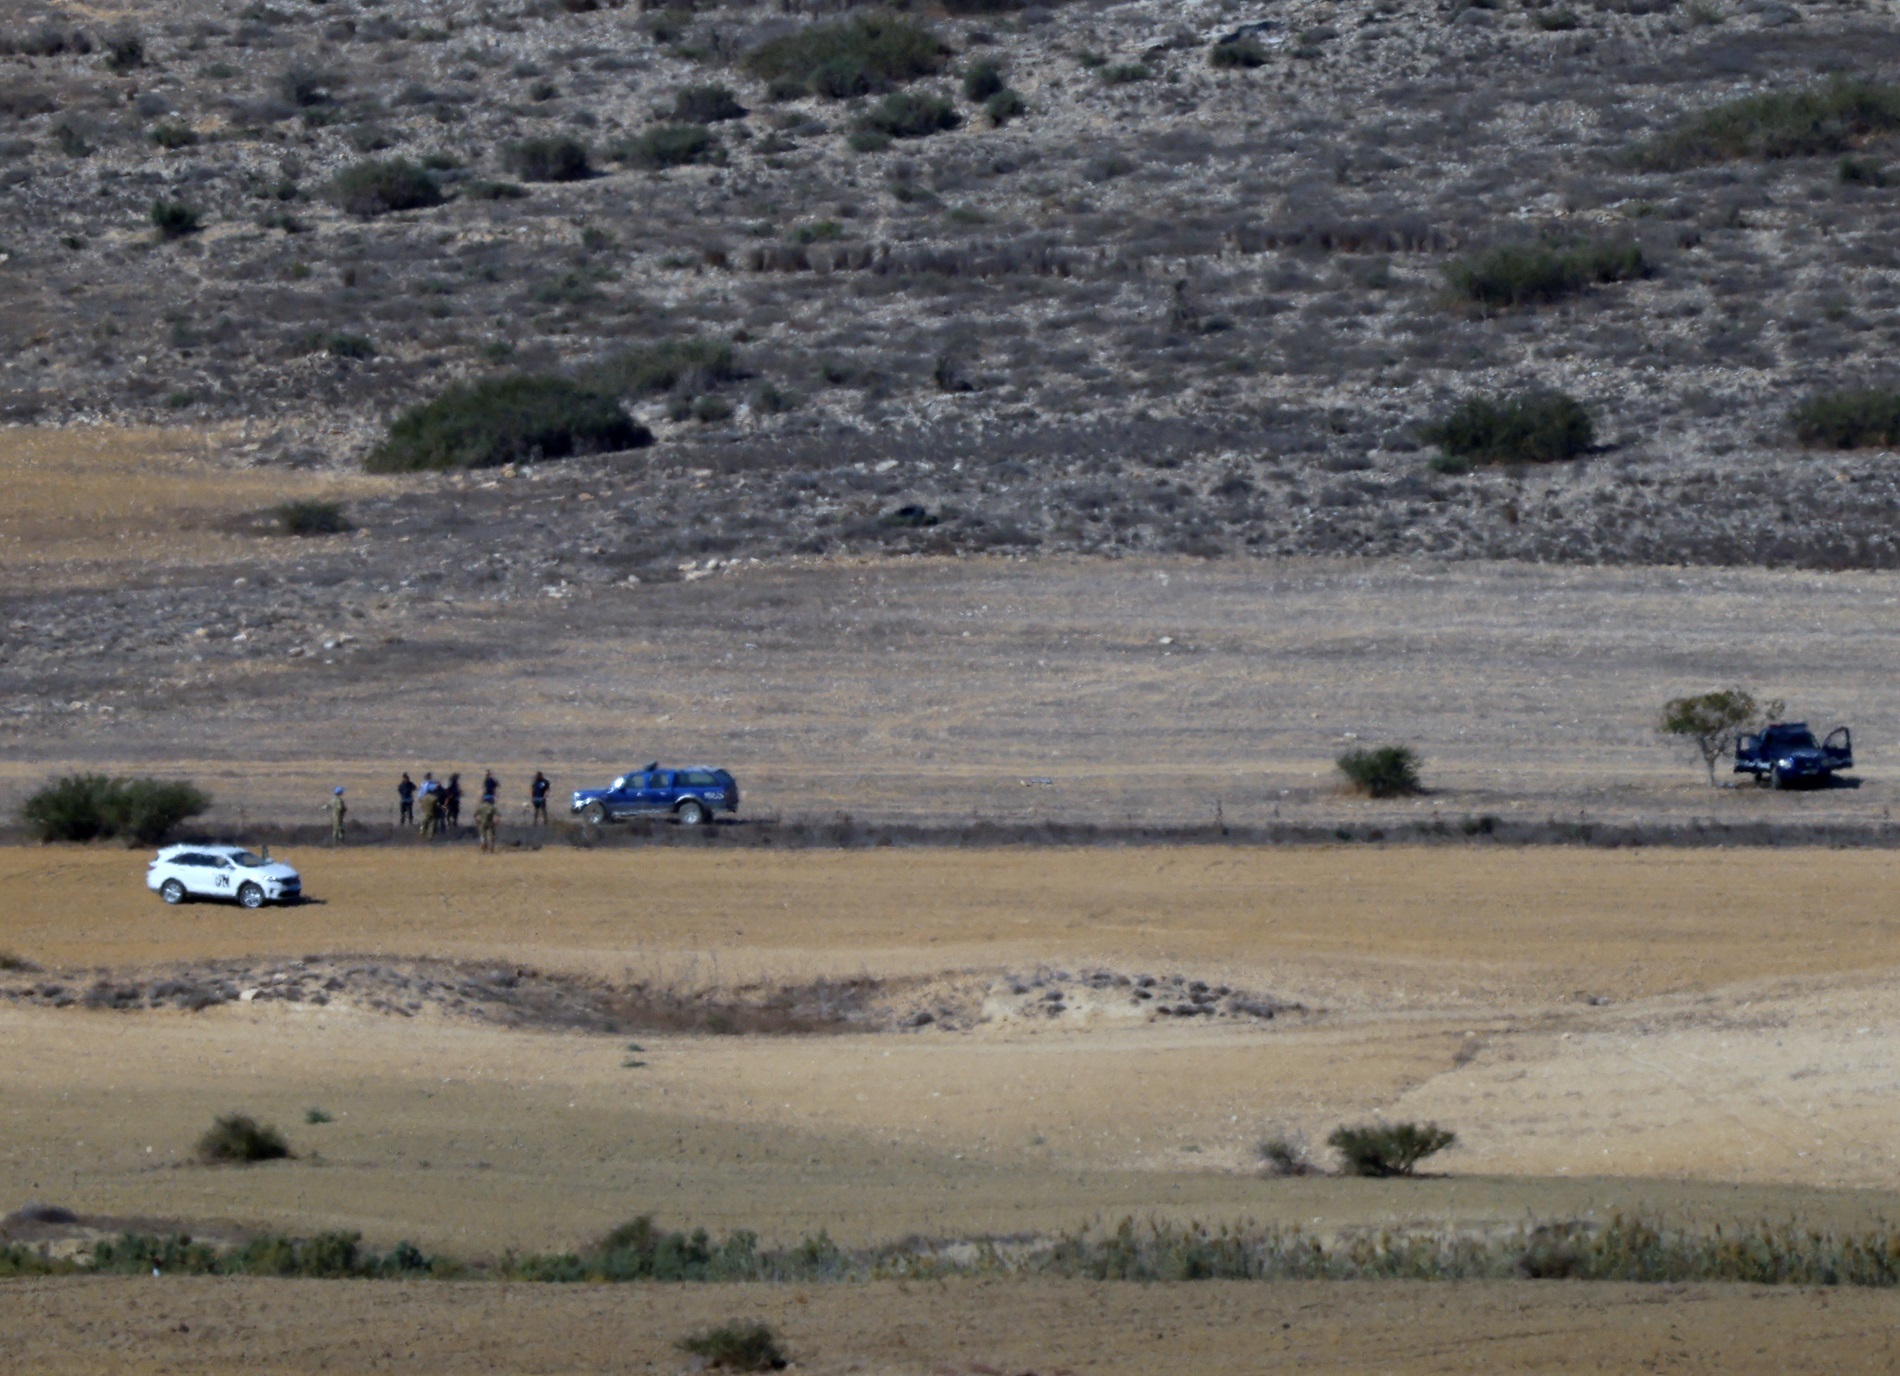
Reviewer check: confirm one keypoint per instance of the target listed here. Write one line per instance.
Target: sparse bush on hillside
(1387, 1149)
(737, 1347)
(983, 79)
(554, 159)
(1537, 427)
(1123, 73)
(175, 219)
(172, 135)
(674, 365)
(124, 52)
(386, 187)
(671, 145)
(1240, 52)
(312, 518)
(87, 807)
(1831, 118)
(1525, 274)
(238, 1139)
(849, 57)
(516, 419)
(1861, 418)
(909, 115)
(706, 105)
(1003, 107)
(1390, 771)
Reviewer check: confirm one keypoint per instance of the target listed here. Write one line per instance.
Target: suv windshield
(1788, 738)
(247, 860)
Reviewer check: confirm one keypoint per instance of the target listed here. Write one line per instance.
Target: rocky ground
(1184, 309)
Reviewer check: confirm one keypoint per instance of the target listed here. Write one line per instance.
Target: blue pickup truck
(691, 794)
(1786, 755)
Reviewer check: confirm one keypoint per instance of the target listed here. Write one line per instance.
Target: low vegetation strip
(1624, 1249)
(1830, 118)
(1861, 418)
(1528, 274)
(506, 420)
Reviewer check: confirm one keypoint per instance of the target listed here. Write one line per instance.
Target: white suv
(182, 872)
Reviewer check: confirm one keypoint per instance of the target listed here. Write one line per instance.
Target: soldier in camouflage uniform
(486, 817)
(430, 801)
(338, 811)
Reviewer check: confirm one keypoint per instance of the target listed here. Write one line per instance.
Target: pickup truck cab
(1786, 755)
(692, 794)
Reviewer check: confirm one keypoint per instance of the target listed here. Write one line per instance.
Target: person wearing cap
(338, 811)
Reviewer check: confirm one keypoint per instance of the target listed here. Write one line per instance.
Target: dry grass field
(1705, 1037)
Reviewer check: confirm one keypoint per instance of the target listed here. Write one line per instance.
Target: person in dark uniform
(406, 800)
(452, 801)
(490, 785)
(538, 795)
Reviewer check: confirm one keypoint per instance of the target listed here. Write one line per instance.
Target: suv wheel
(594, 814)
(251, 896)
(172, 892)
(691, 813)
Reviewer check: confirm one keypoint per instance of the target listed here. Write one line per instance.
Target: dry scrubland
(1169, 308)
(1703, 1037)
(146, 624)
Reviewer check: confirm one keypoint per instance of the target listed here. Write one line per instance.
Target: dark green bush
(1537, 427)
(1386, 1149)
(983, 79)
(88, 807)
(737, 1347)
(1524, 274)
(494, 191)
(638, 1250)
(1391, 771)
(1863, 418)
(174, 134)
(386, 187)
(1556, 21)
(1863, 172)
(312, 518)
(341, 344)
(238, 1139)
(868, 141)
(124, 52)
(516, 419)
(849, 57)
(554, 159)
(1830, 118)
(671, 145)
(1123, 73)
(908, 115)
(174, 219)
(683, 365)
(1003, 107)
(706, 105)
(1240, 52)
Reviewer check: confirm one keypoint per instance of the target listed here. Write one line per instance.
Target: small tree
(1391, 771)
(1384, 1149)
(1711, 722)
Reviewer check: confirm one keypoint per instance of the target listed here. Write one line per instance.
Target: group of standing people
(432, 807)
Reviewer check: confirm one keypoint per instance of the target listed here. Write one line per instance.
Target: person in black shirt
(406, 799)
(489, 786)
(452, 801)
(538, 795)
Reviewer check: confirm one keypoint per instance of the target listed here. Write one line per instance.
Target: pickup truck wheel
(691, 813)
(251, 896)
(594, 814)
(172, 892)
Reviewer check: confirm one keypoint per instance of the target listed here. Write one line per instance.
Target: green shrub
(174, 219)
(982, 80)
(88, 807)
(868, 141)
(1003, 107)
(684, 365)
(706, 105)
(1863, 172)
(737, 1347)
(1240, 52)
(1711, 722)
(1524, 274)
(1536, 427)
(341, 344)
(1124, 73)
(516, 419)
(1391, 771)
(124, 52)
(1386, 1149)
(671, 145)
(494, 191)
(555, 159)
(1556, 21)
(238, 1139)
(908, 115)
(386, 187)
(174, 134)
(316, 1117)
(311, 517)
(850, 57)
(1862, 418)
(1831, 118)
